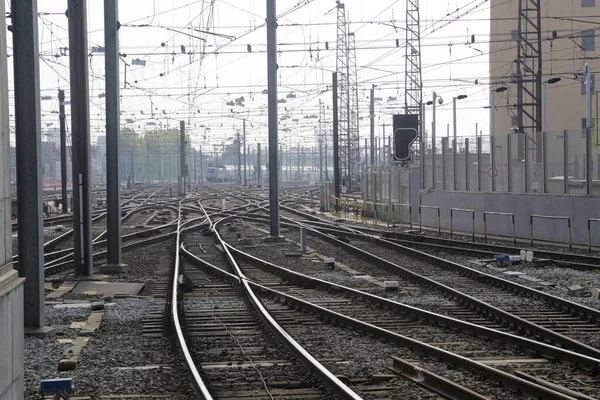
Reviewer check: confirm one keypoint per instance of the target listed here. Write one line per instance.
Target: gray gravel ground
(560, 276)
(42, 355)
(120, 343)
(364, 356)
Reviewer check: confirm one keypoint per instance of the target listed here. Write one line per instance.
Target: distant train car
(217, 174)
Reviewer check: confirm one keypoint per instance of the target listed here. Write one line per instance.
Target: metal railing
(533, 216)
(439, 218)
(511, 215)
(463, 210)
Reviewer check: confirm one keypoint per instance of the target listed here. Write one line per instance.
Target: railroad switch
(391, 286)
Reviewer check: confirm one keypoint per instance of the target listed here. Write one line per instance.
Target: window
(514, 35)
(593, 76)
(588, 40)
(588, 3)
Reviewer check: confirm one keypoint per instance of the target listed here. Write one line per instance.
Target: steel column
(527, 171)
(273, 120)
(545, 160)
(181, 158)
(493, 155)
(245, 151)
(566, 161)
(509, 169)
(24, 15)
(63, 151)
(80, 129)
(467, 164)
(113, 132)
(259, 171)
(336, 154)
(479, 165)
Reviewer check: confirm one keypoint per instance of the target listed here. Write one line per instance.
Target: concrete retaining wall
(578, 208)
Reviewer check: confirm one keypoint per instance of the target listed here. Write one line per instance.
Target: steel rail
(562, 258)
(505, 379)
(483, 307)
(544, 349)
(197, 382)
(575, 308)
(330, 380)
(522, 325)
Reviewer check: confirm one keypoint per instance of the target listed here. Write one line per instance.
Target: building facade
(569, 40)
(11, 286)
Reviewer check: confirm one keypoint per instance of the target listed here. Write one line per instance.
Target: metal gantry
(413, 82)
(347, 100)
(529, 73)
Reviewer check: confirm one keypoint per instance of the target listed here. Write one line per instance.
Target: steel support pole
(566, 161)
(201, 166)
(433, 143)
(588, 132)
(372, 115)
(466, 164)
(545, 161)
(454, 185)
(80, 129)
(479, 164)
(326, 161)
(509, 169)
(24, 15)
(527, 169)
(245, 151)
(113, 133)
(444, 151)
(273, 120)
(259, 171)
(182, 158)
(238, 150)
(336, 143)
(493, 156)
(63, 151)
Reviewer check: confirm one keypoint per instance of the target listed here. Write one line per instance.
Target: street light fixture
(500, 89)
(459, 97)
(550, 81)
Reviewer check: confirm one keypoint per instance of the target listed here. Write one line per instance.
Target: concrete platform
(115, 288)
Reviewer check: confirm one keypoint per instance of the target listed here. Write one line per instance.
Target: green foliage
(154, 155)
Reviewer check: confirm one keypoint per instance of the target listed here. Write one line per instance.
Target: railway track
(480, 296)
(240, 333)
(300, 294)
(461, 247)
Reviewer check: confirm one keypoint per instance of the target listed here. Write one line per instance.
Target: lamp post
(459, 97)
(550, 81)
(454, 142)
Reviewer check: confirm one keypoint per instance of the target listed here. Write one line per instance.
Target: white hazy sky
(196, 87)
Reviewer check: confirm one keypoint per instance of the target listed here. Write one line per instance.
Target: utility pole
(588, 132)
(113, 138)
(273, 120)
(132, 166)
(326, 162)
(336, 154)
(372, 115)
(245, 151)
(201, 166)
(298, 173)
(239, 157)
(24, 15)
(259, 172)
(80, 127)
(182, 159)
(63, 151)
